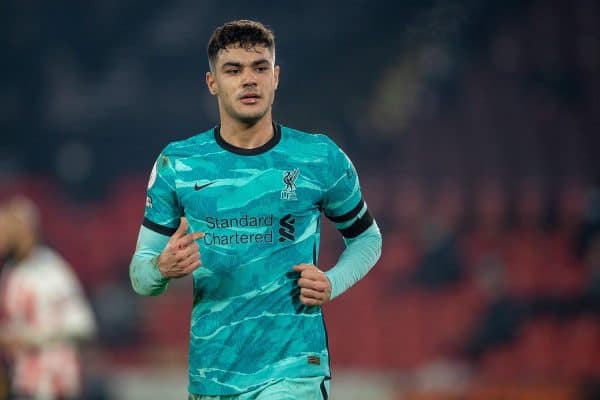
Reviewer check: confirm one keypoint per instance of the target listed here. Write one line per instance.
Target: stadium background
(471, 124)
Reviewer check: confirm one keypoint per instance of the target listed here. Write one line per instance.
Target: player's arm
(359, 256)
(158, 258)
(164, 248)
(343, 205)
(146, 278)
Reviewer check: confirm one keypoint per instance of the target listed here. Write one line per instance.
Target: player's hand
(181, 255)
(315, 288)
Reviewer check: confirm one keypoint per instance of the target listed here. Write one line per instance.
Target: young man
(238, 208)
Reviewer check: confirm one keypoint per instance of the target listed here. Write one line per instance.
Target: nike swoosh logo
(198, 187)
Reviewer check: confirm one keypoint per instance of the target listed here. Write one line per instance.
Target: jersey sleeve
(163, 210)
(343, 202)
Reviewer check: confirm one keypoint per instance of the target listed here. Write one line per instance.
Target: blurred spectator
(440, 264)
(588, 247)
(591, 223)
(486, 237)
(570, 208)
(499, 322)
(44, 311)
(407, 213)
(528, 255)
(590, 301)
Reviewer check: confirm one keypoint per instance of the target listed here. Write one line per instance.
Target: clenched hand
(315, 288)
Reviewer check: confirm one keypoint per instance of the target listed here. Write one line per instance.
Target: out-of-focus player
(251, 193)
(44, 311)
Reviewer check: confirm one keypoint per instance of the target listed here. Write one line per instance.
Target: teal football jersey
(260, 211)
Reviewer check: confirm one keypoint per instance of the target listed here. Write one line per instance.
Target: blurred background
(471, 124)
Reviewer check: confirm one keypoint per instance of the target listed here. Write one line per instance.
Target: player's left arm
(359, 256)
(344, 205)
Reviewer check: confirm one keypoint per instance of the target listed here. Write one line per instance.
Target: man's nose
(249, 78)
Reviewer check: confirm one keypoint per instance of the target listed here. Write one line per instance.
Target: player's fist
(315, 288)
(181, 255)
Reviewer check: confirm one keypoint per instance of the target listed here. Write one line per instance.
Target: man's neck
(246, 136)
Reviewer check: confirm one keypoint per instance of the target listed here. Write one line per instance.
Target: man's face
(244, 81)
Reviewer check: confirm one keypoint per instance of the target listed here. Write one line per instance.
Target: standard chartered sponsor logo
(211, 238)
(223, 230)
(243, 221)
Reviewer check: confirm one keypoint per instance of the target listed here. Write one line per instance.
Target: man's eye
(233, 71)
(261, 69)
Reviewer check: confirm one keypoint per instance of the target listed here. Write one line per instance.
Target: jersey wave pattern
(260, 213)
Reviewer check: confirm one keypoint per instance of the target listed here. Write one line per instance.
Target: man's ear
(276, 75)
(211, 83)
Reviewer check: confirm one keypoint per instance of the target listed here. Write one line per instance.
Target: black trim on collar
(249, 152)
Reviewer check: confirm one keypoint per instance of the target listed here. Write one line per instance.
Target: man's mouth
(249, 98)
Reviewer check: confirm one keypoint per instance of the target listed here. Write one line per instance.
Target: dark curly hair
(244, 33)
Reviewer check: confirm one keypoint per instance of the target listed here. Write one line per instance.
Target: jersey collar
(249, 152)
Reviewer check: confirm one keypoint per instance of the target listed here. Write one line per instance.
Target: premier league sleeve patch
(152, 178)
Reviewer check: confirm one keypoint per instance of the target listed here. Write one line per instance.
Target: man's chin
(251, 119)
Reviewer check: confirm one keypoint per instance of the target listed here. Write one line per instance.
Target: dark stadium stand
(471, 125)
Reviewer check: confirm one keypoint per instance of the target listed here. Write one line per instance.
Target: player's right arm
(164, 248)
(155, 262)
